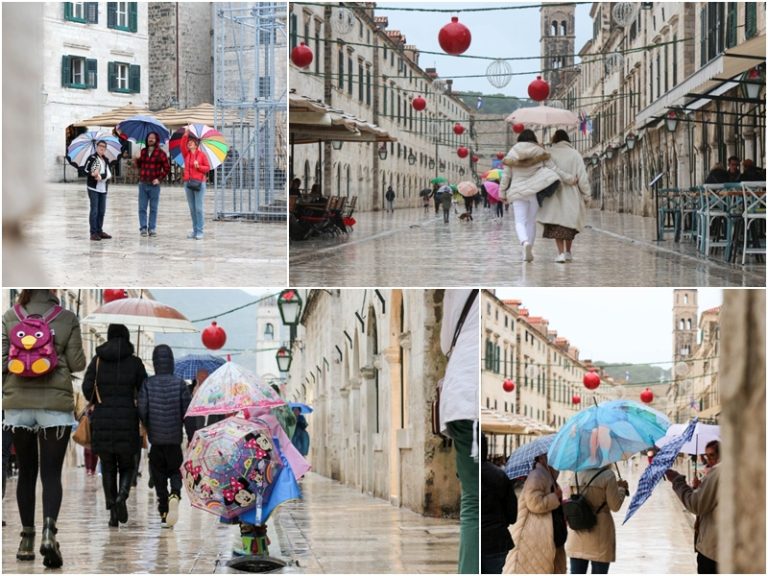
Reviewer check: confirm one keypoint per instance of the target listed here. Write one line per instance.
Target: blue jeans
(195, 201)
(579, 566)
(98, 208)
(149, 194)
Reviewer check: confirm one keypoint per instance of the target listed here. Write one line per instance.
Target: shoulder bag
(82, 434)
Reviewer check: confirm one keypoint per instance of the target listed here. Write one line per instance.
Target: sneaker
(173, 510)
(191, 236)
(527, 252)
(568, 257)
(164, 520)
(105, 235)
(561, 258)
(199, 236)
(153, 232)
(96, 237)
(143, 231)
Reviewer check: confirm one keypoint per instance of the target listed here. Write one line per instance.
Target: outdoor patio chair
(753, 194)
(715, 228)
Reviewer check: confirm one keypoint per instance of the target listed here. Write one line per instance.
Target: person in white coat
(564, 213)
(459, 411)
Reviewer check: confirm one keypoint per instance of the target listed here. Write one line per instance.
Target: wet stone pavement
(415, 248)
(233, 253)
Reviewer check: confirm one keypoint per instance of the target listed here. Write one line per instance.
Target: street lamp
(336, 144)
(595, 159)
(609, 152)
(462, 171)
(383, 152)
(284, 358)
(752, 81)
(411, 158)
(671, 120)
(631, 139)
(289, 304)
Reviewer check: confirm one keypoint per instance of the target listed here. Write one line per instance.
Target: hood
(162, 359)
(525, 154)
(114, 349)
(118, 331)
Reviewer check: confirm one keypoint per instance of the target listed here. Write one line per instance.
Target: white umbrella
(543, 116)
(703, 434)
(149, 315)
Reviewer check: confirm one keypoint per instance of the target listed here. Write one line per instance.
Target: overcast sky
(500, 34)
(611, 324)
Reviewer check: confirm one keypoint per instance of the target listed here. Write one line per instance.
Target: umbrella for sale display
(142, 313)
(492, 188)
(438, 180)
(543, 116)
(305, 409)
(606, 433)
(494, 174)
(84, 145)
(703, 434)
(230, 467)
(188, 366)
(467, 189)
(212, 144)
(520, 462)
(233, 388)
(662, 461)
(137, 128)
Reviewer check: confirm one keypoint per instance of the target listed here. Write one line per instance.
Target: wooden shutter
(134, 78)
(111, 77)
(67, 10)
(730, 35)
(750, 19)
(92, 12)
(66, 71)
(91, 72)
(132, 17)
(111, 14)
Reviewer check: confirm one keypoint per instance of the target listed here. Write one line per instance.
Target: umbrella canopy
(493, 192)
(212, 144)
(112, 117)
(605, 434)
(230, 467)
(438, 180)
(661, 463)
(425, 192)
(232, 388)
(520, 462)
(305, 409)
(494, 174)
(543, 116)
(84, 145)
(703, 434)
(467, 189)
(137, 128)
(141, 313)
(188, 366)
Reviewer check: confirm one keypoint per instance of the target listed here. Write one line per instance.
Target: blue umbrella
(187, 366)
(661, 463)
(305, 409)
(137, 128)
(605, 434)
(520, 462)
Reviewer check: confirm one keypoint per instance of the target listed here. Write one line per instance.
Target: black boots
(27, 544)
(49, 548)
(125, 489)
(113, 515)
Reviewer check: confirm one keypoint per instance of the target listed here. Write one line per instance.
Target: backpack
(578, 512)
(32, 352)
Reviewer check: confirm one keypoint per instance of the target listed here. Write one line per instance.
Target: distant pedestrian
(752, 173)
(498, 513)
(436, 197)
(196, 168)
(300, 437)
(426, 194)
(99, 174)
(446, 199)
(717, 175)
(734, 174)
(153, 168)
(469, 203)
(39, 414)
(390, 197)
(163, 401)
(295, 189)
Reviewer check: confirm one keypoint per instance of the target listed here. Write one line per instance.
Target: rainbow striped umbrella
(84, 145)
(212, 143)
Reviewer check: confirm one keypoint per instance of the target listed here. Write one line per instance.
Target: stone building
(368, 362)
(558, 42)
(364, 69)
(683, 61)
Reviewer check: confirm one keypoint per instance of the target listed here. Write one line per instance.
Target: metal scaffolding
(251, 111)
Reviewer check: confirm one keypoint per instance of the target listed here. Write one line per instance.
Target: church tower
(685, 312)
(558, 46)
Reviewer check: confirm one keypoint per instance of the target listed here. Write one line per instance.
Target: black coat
(498, 509)
(115, 423)
(163, 400)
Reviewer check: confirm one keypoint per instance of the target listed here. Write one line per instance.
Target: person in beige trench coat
(597, 545)
(533, 534)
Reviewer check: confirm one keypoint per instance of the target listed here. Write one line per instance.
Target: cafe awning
(495, 422)
(204, 113)
(312, 120)
(112, 117)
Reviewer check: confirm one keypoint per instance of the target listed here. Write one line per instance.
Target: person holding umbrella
(97, 168)
(196, 168)
(301, 436)
(498, 512)
(153, 166)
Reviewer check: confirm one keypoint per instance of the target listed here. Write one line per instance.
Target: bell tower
(685, 312)
(558, 46)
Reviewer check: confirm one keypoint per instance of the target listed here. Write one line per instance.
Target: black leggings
(51, 445)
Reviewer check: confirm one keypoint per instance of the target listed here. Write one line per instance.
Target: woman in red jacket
(196, 167)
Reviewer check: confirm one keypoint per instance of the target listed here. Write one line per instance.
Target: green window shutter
(750, 19)
(730, 35)
(294, 36)
(67, 10)
(91, 71)
(111, 14)
(66, 71)
(92, 12)
(132, 17)
(111, 77)
(703, 33)
(134, 78)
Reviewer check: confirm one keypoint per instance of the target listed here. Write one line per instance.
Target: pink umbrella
(493, 192)
(467, 189)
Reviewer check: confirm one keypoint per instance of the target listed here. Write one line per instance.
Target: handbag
(194, 184)
(541, 195)
(82, 434)
(559, 528)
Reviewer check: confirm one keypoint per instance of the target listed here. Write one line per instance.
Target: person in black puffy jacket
(117, 375)
(163, 401)
(498, 513)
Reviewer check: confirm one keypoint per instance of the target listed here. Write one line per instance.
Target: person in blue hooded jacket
(301, 436)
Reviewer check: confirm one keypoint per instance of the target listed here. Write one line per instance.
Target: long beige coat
(566, 206)
(599, 543)
(703, 503)
(534, 551)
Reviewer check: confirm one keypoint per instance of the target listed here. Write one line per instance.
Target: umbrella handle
(617, 470)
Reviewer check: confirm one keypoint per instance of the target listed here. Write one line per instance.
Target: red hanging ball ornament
(500, 155)
(475, 158)
(462, 151)
(418, 103)
(518, 128)
(302, 55)
(646, 396)
(111, 294)
(538, 90)
(458, 129)
(591, 380)
(214, 337)
(576, 399)
(508, 385)
(454, 37)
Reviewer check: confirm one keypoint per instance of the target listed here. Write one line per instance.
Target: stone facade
(558, 41)
(368, 362)
(270, 333)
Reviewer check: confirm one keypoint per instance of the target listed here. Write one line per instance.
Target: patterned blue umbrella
(520, 462)
(661, 463)
(187, 366)
(137, 128)
(605, 434)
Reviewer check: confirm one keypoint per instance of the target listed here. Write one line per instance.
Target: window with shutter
(66, 71)
(730, 38)
(111, 78)
(91, 72)
(132, 17)
(92, 12)
(122, 16)
(750, 19)
(74, 72)
(135, 78)
(111, 14)
(294, 35)
(75, 11)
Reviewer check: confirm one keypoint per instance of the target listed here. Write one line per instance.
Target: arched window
(563, 28)
(553, 28)
(685, 299)
(689, 324)
(682, 325)
(269, 331)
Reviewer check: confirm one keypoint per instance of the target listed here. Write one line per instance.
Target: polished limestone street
(415, 248)
(233, 253)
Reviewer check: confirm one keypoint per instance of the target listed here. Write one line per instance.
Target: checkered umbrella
(188, 366)
(661, 463)
(520, 462)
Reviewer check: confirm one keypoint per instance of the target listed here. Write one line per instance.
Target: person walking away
(564, 213)
(99, 174)
(498, 512)
(39, 409)
(425, 200)
(604, 494)
(390, 197)
(436, 197)
(113, 378)
(536, 551)
(196, 168)
(702, 501)
(459, 409)
(446, 198)
(300, 437)
(163, 401)
(153, 168)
